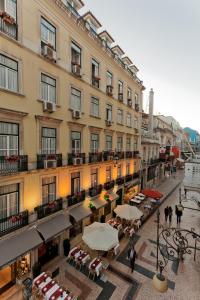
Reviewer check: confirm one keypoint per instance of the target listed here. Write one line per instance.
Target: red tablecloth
(95, 263)
(40, 279)
(48, 286)
(73, 253)
(82, 256)
(57, 294)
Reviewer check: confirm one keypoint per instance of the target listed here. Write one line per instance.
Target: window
(119, 171)
(76, 142)
(108, 174)
(136, 146)
(108, 112)
(136, 123)
(129, 94)
(109, 78)
(93, 26)
(128, 169)
(48, 34)
(128, 120)
(75, 54)
(95, 107)
(75, 99)
(120, 116)
(75, 183)
(94, 177)
(108, 142)
(11, 8)
(119, 143)
(95, 73)
(48, 140)
(48, 88)
(8, 73)
(128, 144)
(94, 142)
(48, 189)
(9, 139)
(9, 200)
(136, 98)
(120, 87)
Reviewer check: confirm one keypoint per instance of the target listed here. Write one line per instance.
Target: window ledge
(95, 117)
(41, 100)
(12, 92)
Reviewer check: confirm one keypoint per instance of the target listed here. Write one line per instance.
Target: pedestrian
(185, 191)
(179, 213)
(132, 256)
(170, 214)
(166, 211)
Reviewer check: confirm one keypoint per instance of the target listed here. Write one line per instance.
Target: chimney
(151, 100)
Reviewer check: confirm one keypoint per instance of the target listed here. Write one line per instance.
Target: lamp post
(158, 225)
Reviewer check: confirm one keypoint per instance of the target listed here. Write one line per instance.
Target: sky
(162, 37)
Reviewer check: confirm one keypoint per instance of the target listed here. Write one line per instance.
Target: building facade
(70, 113)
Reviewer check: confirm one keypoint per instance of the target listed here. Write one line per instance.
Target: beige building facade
(70, 113)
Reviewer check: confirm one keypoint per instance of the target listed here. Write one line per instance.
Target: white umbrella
(128, 212)
(100, 236)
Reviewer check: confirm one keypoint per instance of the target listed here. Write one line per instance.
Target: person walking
(170, 214)
(132, 256)
(179, 213)
(166, 212)
(185, 191)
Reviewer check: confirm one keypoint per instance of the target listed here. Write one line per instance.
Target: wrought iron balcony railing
(13, 164)
(120, 154)
(45, 161)
(76, 198)
(13, 222)
(128, 178)
(95, 81)
(9, 28)
(95, 157)
(109, 185)
(136, 154)
(96, 190)
(108, 155)
(50, 208)
(75, 159)
(120, 181)
(129, 154)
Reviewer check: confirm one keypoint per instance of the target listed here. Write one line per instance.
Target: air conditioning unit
(50, 163)
(49, 53)
(108, 123)
(76, 70)
(120, 97)
(129, 102)
(77, 161)
(49, 106)
(76, 114)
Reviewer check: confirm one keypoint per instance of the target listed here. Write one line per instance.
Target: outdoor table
(65, 296)
(44, 283)
(47, 287)
(147, 206)
(74, 251)
(58, 293)
(135, 201)
(83, 257)
(142, 195)
(139, 197)
(40, 279)
(96, 265)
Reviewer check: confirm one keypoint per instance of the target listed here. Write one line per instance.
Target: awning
(80, 212)
(98, 202)
(20, 244)
(112, 196)
(54, 226)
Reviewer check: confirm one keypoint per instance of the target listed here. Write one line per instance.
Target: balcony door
(48, 189)
(9, 139)
(48, 140)
(9, 201)
(76, 142)
(75, 183)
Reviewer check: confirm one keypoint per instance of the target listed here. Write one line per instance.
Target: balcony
(76, 69)
(129, 154)
(76, 198)
(129, 102)
(136, 154)
(108, 155)
(109, 185)
(48, 208)
(8, 25)
(46, 161)
(119, 181)
(13, 164)
(119, 154)
(109, 90)
(94, 191)
(128, 178)
(136, 175)
(137, 108)
(13, 222)
(154, 161)
(95, 157)
(95, 81)
(120, 97)
(75, 159)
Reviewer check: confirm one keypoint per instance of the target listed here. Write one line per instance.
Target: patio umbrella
(100, 236)
(152, 193)
(128, 212)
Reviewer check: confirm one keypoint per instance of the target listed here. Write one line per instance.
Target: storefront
(131, 189)
(52, 232)
(111, 198)
(15, 258)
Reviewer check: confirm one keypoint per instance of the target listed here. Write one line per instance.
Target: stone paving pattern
(121, 283)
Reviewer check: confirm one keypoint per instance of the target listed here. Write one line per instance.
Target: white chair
(117, 250)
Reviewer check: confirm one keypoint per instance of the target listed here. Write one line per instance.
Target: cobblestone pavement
(118, 282)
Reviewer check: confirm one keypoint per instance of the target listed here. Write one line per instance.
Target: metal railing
(45, 161)
(50, 208)
(9, 29)
(76, 198)
(95, 157)
(109, 185)
(13, 222)
(76, 159)
(96, 190)
(13, 164)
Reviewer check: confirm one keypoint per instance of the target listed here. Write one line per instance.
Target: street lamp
(115, 159)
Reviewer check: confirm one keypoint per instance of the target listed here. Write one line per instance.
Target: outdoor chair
(93, 273)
